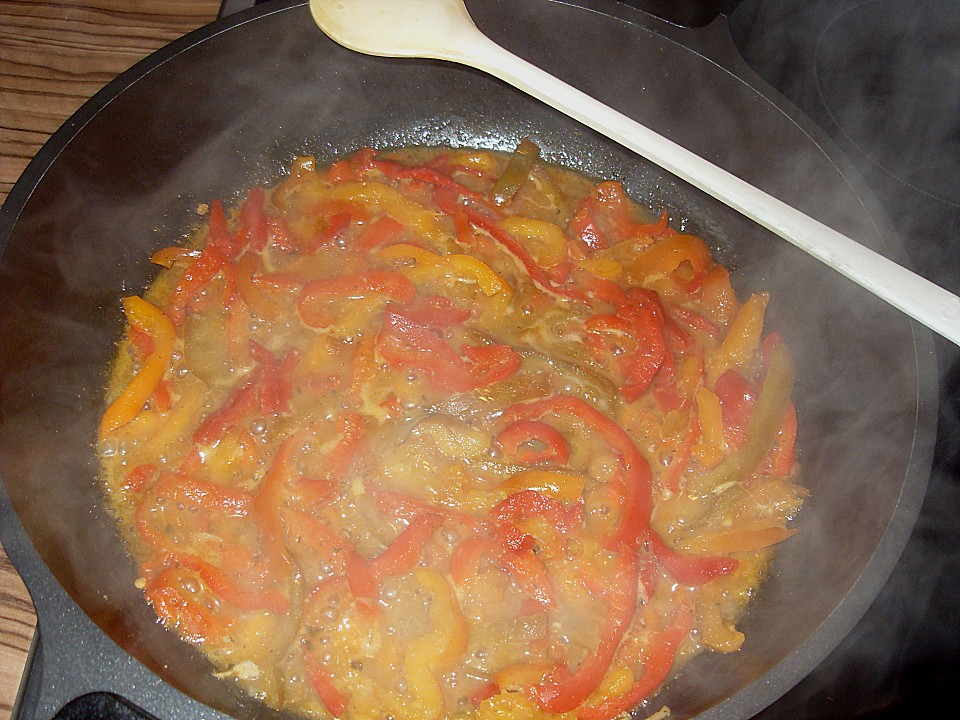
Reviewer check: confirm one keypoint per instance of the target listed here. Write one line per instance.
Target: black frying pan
(229, 105)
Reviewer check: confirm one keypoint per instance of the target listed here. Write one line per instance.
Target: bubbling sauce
(448, 433)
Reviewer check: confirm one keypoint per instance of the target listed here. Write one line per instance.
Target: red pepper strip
(195, 623)
(530, 441)
(241, 402)
(404, 552)
(219, 249)
(271, 494)
(405, 343)
(209, 496)
(642, 367)
(435, 312)
(383, 231)
(253, 230)
(393, 504)
(142, 341)
(561, 689)
(690, 569)
(681, 459)
(782, 457)
(636, 501)
(642, 318)
(262, 305)
(531, 575)
(466, 559)
(350, 426)
(603, 217)
(583, 226)
(340, 552)
(427, 175)
(695, 321)
(657, 663)
(491, 363)
(486, 690)
(519, 559)
(279, 234)
(311, 302)
(192, 492)
(161, 396)
(327, 239)
(203, 494)
(679, 339)
(513, 246)
(139, 478)
(334, 700)
(274, 388)
(737, 398)
(215, 579)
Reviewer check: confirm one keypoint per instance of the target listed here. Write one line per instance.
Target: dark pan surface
(228, 106)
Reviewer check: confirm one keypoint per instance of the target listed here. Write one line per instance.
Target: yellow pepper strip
(725, 542)
(544, 240)
(166, 257)
(742, 338)
(395, 204)
(669, 253)
(482, 161)
(563, 486)
(143, 316)
(718, 296)
(519, 676)
(602, 267)
(710, 419)
(490, 282)
(762, 428)
(438, 650)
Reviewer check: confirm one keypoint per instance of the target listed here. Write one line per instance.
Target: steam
(883, 78)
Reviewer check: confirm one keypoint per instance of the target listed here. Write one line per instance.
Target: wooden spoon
(443, 30)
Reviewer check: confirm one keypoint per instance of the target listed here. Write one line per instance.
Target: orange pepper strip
(195, 623)
(144, 316)
(260, 303)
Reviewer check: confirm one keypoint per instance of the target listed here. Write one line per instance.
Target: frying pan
(227, 106)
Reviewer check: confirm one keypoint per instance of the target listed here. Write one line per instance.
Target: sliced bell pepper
(516, 173)
(530, 442)
(690, 569)
(311, 303)
(195, 623)
(219, 249)
(561, 689)
(437, 651)
(658, 658)
(404, 343)
(636, 500)
(157, 325)
(320, 679)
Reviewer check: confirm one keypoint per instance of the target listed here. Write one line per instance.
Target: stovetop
(882, 78)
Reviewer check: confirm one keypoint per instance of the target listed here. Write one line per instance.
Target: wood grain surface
(54, 55)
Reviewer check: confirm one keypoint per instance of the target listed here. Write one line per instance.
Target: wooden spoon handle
(914, 295)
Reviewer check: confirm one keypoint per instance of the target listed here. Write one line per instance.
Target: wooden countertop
(54, 55)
